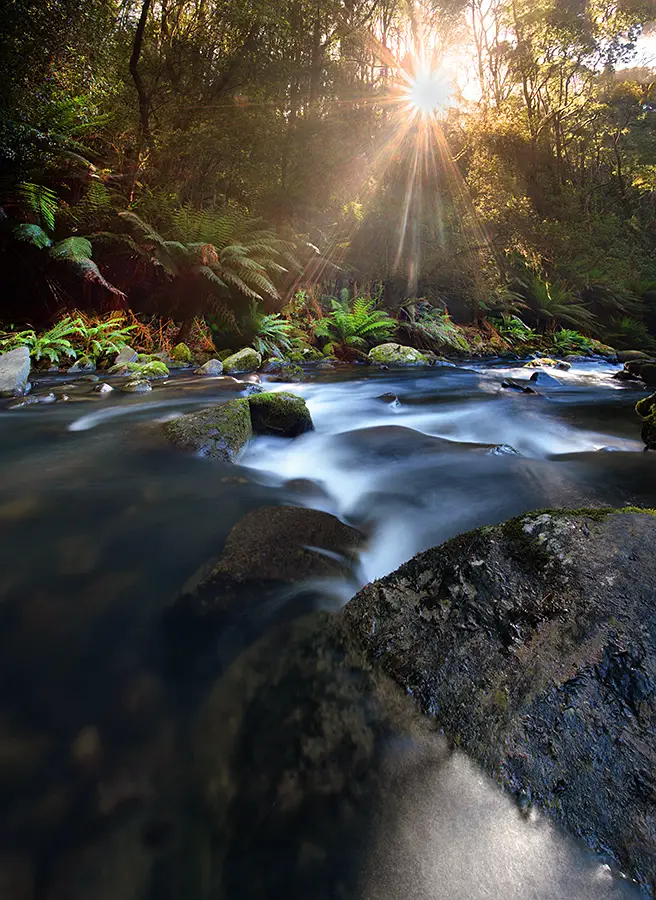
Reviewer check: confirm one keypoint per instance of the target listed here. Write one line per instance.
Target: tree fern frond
(32, 234)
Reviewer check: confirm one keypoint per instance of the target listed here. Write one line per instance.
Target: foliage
(566, 340)
(627, 333)
(353, 326)
(72, 337)
(513, 330)
(51, 344)
(433, 329)
(551, 304)
(271, 333)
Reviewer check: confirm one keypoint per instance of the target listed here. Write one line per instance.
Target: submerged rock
(511, 384)
(532, 645)
(544, 378)
(282, 414)
(270, 548)
(14, 372)
(211, 367)
(397, 355)
(246, 360)
(219, 432)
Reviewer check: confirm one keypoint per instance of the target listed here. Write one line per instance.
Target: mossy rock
(219, 432)
(222, 354)
(397, 355)
(646, 409)
(154, 368)
(246, 360)
(283, 414)
(181, 353)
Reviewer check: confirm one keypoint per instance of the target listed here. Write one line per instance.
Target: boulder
(624, 356)
(282, 414)
(646, 409)
(246, 360)
(547, 361)
(532, 646)
(181, 354)
(544, 378)
(211, 367)
(153, 368)
(127, 355)
(270, 548)
(397, 355)
(14, 372)
(219, 432)
(648, 374)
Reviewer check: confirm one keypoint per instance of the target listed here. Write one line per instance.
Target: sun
(428, 92)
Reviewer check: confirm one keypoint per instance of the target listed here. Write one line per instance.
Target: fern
(569, 341)
(32, 234)
(41, 201)
(357, 326)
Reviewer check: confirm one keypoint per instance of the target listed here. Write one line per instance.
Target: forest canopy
(190, 156)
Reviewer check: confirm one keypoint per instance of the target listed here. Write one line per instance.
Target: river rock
(14, 372)
(544, 378)
(511, 384)
(283, 414)
(648, 374)
(624, 356)
(211, 367)
(269, 548)
(219, 432)
(533, 646)
(646, 409)
(397, 355)
(103, 388)
(127, 355)
(246, 360)
(137, 387)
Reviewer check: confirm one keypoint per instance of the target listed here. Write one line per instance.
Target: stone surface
(397, 355)
(219, 432)
(624, 356)
(269, 548)
(646, 409)
(533, 645)
(103, 388)
(246, 360)
(544, 378)
(211, 367)
(14, 372)
(279, 413)
(137, 387)
(127, 355)
(181, 354)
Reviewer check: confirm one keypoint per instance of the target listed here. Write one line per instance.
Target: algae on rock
(217, 433)
(281, 413)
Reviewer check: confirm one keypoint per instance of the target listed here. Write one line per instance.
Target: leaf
(32, 234)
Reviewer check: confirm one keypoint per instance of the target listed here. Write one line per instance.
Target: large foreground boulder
(533, 645)
(279, 413)
(397, 355)
(217, 433)
(14, 372)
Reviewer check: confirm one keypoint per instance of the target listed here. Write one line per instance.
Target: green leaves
(41, 201)
(32, 234)
(359, 325)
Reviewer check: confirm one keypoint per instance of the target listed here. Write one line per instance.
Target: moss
(305, 354)
(154, 368)
(181, 353)
(222, 354)
(282, 414)
(246, 360)
(646, 409)
(217, 433)
(397, 355)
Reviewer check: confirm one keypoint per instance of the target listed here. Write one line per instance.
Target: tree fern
(41, 201)
(32, 234)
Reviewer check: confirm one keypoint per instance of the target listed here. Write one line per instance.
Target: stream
(101, 527)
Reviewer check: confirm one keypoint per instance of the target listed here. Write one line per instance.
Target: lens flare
(429, 92)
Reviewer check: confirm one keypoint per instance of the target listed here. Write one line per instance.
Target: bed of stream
(101, 527)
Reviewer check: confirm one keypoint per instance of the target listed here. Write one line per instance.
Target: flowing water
(101, 527)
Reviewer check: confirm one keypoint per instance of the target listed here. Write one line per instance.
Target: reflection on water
(101, 526)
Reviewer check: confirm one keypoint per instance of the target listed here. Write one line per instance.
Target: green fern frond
(72, 249)
(32, 234)
(41, 201)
